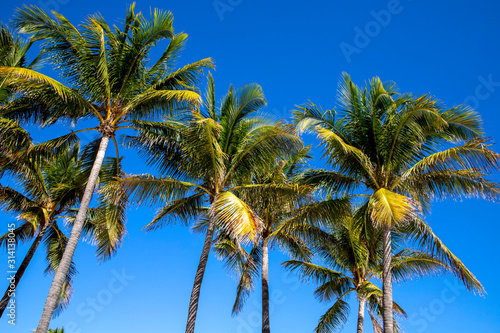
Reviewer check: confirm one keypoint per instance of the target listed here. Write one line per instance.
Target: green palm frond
(331, 182)
(260, 148)
(310, 271)
(419, 232)
(179, 211)
(308, 116)
(23, 233)
(334, 318)
(148, 188)
(334, 289)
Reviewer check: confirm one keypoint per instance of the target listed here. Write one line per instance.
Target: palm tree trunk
(67, 257)
(387, 281)
(361, 314)
(22, 268)
(195, 294)
(265, 288)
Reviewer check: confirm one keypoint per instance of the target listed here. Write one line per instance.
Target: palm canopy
(411, 146)
(400, 152)
(208, 159)
(110, 76)
(49, 191)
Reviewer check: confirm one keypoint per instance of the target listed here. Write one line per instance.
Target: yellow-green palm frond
(449, 183)
(349, 159)
(24, 80)
(387, 207)
(182, 210)
(421, 233)
(235, 217)
(473, 154)
(309, 117)
(148, 188)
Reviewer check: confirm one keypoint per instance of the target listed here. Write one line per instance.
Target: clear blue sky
(297, 51)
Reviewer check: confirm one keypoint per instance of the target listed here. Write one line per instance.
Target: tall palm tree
(111, 79)
(274, 205)
(351, 258)
(400, 152)
(205, 158)
(51, 189)
(290, 217)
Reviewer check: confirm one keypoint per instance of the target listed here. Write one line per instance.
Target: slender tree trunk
(195, 294)
(67, 257)
(361, 314)
(265, 287)
(22, 268)
(387, 281)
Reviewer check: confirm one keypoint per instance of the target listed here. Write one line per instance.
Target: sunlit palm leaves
(400, 152)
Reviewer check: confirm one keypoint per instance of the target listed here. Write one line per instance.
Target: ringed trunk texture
(265, 287)
(200, 272)
(22, 268)
(67, 257)
(361, 314)
(387, 281)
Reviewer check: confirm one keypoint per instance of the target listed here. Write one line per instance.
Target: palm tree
(351, 258)
(51, 188)
(111, 80)
(205, 158)
(274, 205)
(400, 152)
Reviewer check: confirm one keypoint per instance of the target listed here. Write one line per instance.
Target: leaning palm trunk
(387, 281)
(22, 268)
(265, 287)
(361, 314)
(67, 257)
(200, 272)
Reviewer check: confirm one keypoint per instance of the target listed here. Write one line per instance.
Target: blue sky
(297, 52)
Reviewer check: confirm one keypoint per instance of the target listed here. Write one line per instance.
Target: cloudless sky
(297, 51)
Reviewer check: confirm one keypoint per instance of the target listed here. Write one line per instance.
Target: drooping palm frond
(420, 232)
(334, 318)
(235, 217)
